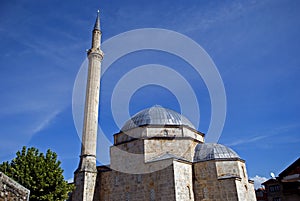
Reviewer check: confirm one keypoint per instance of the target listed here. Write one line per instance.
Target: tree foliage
(40, 173)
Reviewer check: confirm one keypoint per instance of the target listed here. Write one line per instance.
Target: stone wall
(11, 190)
(228, 168)
(128, 157)
(158, 131)
(156, 141)
(181, 181)
(132, 154)
(222, 180)
(179, 147)
(183, 177)
(84, 185)
(158, 152)
(245, 188)
(136, 133)
(114, 186)
(208, 187)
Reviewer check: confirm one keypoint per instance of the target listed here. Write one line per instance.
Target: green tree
(40, 173)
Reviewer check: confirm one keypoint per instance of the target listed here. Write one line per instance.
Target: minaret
(85, 175)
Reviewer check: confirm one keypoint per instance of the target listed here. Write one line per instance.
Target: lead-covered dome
(156, 115)
(211, 151)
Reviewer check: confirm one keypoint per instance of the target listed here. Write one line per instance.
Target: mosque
(157, 155)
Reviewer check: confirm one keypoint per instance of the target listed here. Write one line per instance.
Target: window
(205, 193)
(116, 181)
(259, 194)
(127, 197)
(274, 188)
(166, 133)
(139, 178)
(152, 195)
(244, 174)
(189, 191)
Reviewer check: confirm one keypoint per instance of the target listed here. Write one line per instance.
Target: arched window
(139, 178)
(127, 196)
(189, 192)
(116, 181)
(243, 171)
(152, 195)
(205, 193)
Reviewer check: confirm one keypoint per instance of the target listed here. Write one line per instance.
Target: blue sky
(254, 44)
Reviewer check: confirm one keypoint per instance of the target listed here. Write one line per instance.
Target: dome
(211, 151)
(156, 115)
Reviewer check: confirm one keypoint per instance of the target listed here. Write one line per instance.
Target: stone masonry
(224, 179)
(11, 190)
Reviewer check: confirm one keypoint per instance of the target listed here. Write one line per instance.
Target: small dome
(156, 115)
(211, 151)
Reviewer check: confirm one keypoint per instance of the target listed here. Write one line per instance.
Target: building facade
(157, 155)
(285, 187)
(261, 194)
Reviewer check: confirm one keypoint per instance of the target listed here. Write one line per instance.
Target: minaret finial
(97, 23)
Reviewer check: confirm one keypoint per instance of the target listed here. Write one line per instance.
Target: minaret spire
(97, 23)
(96, 38)
(85, 175)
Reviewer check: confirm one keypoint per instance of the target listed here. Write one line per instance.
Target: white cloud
(70, 180)
(45, 122)
(258, 180)
(248, 140)
(15, 137)
(269, 134)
